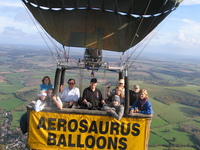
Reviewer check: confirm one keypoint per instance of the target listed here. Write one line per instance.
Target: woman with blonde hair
(142, 105)
(120, 93)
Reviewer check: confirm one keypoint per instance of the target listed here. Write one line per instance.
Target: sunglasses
(71, 83)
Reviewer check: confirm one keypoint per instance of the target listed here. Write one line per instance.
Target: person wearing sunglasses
(69, 95)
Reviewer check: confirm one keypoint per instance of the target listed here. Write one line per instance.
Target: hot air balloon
(96, 25)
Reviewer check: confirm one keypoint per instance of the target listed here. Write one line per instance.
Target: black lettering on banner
(62, 140)
(112, 143)
(93, 127)
(62, 123)
(70, 144)
(101, 127)
(41, 123)
(114, 127)
(127, 129)
(51, 139)
(137, 131)
(85, 128)
(51, 123)
(90, 138)
(70, 125)
(99, 139)
(123, 143)
(79, 141)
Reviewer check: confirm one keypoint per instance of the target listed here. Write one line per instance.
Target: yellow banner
(48, 130)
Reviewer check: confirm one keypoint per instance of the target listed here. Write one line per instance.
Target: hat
(116, 98)
(94, 80)
(121, 81)
(42, 93)
(136, 86)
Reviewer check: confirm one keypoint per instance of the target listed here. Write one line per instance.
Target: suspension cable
(40, 33)
(50, 39)
(152, 35)
(138, 29)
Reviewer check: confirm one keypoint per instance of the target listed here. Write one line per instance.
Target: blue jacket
(147, 108)
(46, 88)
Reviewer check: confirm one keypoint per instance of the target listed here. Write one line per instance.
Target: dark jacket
(94, 97)
(133, 97)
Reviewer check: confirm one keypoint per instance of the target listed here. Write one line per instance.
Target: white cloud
(179, 37)
(189, 34)
(11, 32)
(190, 2)
(11, 3)
(13, 35)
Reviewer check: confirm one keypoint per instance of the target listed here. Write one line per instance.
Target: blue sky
(178, 34)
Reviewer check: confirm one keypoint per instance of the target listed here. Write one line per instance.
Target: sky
(179, 33)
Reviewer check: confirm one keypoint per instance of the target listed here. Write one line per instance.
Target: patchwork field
(22, 74)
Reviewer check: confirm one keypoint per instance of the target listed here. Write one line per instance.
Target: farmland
(169, 84)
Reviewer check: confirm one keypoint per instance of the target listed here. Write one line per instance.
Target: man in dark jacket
(92, 97)
(134, 94)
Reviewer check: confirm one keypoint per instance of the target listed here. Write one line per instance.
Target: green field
(16, 118)
(192, 89)
(10, 88)
(11, 103)
(181, 137)
(158, 122)
(23, 76)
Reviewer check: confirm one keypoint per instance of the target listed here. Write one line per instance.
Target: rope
(123, 38)
(129, 55)
(152, 36)
(104, 81)
(145, 38)
(138, 30)
(47, 29)
(85, 27)
(40, 33)
(138, 46)
(119, 16)
(81, 81)
(57, 49)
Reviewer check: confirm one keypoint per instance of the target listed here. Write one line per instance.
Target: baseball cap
(94, 80)
(136, 86)
(121, 81)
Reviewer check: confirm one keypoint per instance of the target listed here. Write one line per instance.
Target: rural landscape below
(172, 82)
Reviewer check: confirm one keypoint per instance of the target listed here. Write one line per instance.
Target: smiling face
(42, 97)
(71, 84)
(46, 81)
(118, 92)
(121, 85)
(143, 94)
(115, 103)
(50, 93)
(136, 90)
